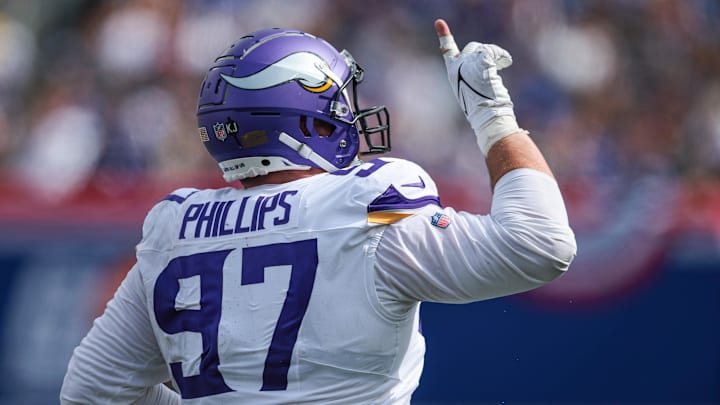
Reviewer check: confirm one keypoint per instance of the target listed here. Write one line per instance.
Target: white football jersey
(309, 291)
(267, 295)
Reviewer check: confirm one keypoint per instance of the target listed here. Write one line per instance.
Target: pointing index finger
(447, 42)
(442, 28)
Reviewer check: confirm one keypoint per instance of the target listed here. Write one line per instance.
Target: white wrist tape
(496, 129)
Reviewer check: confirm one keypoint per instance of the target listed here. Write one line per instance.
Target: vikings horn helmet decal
(306, 68)
(292, 100)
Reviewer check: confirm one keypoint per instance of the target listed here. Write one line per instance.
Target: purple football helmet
(282, 100)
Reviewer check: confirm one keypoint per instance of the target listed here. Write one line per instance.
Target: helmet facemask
(372, 123)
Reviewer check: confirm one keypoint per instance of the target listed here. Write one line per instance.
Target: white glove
(473, 75)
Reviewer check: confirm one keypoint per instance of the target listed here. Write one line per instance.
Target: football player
(305, 285)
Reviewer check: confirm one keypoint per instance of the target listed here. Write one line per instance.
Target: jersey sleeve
(442, 255)
(399, 190)
(118, 361)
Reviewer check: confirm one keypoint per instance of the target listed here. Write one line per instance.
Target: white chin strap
(306, 152)
(243, 168)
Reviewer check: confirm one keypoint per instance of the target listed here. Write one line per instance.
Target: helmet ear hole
(303, 126)
(323, 128)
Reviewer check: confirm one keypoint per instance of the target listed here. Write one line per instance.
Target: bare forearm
(514, 152)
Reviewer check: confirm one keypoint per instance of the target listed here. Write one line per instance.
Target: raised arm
(526, 240)
(473, 75)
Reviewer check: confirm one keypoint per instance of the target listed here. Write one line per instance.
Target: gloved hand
(473, 75)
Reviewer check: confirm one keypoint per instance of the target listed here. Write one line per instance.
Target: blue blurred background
(97, 122)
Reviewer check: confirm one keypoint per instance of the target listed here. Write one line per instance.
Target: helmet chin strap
(242, 168)
(306, 152)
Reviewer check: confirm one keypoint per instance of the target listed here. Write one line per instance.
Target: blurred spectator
(17, 53)
(60, 155)
(612, 90)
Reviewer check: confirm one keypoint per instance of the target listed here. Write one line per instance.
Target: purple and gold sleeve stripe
(392, 206)
(387, 217)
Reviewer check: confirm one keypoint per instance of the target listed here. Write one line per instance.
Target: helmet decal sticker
(231, 126)
(254, 138)
(306, 68)
(204, 134)
(219, 129)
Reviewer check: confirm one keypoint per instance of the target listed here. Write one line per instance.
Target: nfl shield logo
(219, 129)
(440, 220)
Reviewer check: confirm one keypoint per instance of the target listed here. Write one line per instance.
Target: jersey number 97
(300, 255)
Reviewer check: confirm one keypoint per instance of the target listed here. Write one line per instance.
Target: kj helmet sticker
(231, 126)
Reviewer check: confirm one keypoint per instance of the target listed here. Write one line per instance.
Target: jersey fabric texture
(309, 291)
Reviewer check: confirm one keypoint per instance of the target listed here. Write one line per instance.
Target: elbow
(545, 252)
(560, 252)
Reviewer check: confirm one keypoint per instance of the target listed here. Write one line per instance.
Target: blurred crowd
(614, 91)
